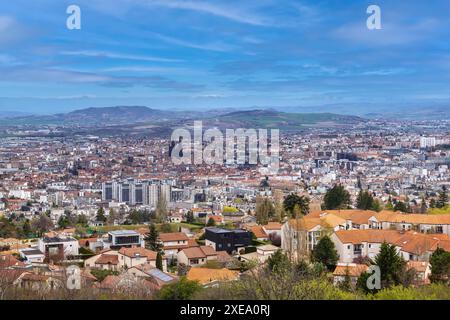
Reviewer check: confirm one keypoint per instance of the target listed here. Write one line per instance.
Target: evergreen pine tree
(325, 252)
(101, 215)
(159, 262)
(391, 264)
(336, 198)
(443, 198)
(152, 239)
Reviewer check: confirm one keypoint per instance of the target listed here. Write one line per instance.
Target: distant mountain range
(277, 115)
(134, 116)
(92, 117)
(379, 111)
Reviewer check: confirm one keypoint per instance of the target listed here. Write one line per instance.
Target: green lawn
(175, 227)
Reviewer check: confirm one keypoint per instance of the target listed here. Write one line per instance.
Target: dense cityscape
(136, 224)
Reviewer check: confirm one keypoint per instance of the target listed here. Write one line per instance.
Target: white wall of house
(70, 247)
(111, 267)
(270, 231)
(414, 257)
(175, 243)
(347, 253)
(422, 227)
(129, 262)
(182, 258)
(210, 243)
(90, 262)
(32, 258)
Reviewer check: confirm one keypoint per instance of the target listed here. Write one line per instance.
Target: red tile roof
(108, 259)
(138, 252)
(173, 236)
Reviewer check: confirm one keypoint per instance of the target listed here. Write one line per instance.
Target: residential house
(351, 270)
(261, 254)
(37, 282)
(218, 219)
(411, 245)
(173, 243)
(157, 277)
(425, 223)
(417, 246)
(227, 240)
(354, 218)
(93, 244)
(272, 228)
(131, 257)
(107, 260)
(58, 247)
(259, 233)
(196, 256)
(175, 218)
(422, 270)
(8, 261)
(124, 239)
(353, 244)
(300, 236)
(32, 255)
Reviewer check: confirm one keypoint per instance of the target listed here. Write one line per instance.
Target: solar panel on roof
(160, 275)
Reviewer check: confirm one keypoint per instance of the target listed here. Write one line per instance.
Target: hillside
(138, 118)
(93, 117)
(282, 120)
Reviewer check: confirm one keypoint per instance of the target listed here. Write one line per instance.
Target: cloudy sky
(210, 54)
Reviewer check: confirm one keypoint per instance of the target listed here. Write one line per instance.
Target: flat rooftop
(221, 230)
(124, 233)
(31, 252)
(58, 239)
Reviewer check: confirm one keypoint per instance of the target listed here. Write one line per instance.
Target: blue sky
(211, 54)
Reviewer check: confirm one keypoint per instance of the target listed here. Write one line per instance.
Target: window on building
(357, 249)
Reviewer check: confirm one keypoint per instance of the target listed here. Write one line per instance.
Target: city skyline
(201, 55)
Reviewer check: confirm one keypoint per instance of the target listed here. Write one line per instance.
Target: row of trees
(137, 216)
(293, 206)
(24, 228)
(339, 198)
(442, 198)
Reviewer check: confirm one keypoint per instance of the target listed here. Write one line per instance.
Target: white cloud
(114, 55)
(215, 46)
(11, 31)
(390, 34)
(238, 15)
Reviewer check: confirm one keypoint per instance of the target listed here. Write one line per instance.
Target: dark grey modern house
(227, 240)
